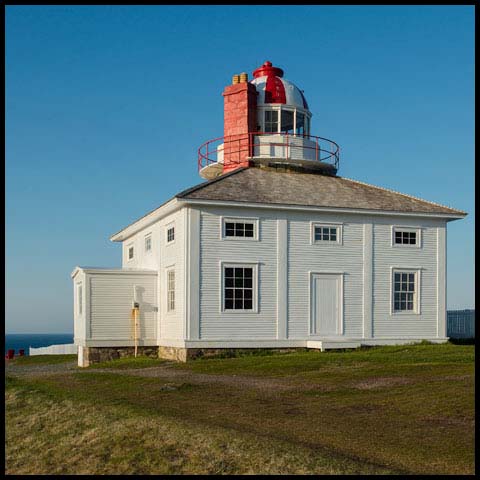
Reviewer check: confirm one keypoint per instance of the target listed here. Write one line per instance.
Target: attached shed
(103, 301)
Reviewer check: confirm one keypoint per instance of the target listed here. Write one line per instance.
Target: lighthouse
(274, 250)
(267, 123)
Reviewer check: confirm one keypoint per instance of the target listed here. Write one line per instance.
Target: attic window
(326, 233)
(406, 237)
(240, 228)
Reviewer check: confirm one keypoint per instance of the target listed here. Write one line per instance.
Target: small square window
(323, 233)
(239, 229)
(405, 237)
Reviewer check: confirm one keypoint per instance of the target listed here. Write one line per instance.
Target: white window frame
(168, 227)
(170, 268)
(80, 298)
(338, 226)
(418, 290)
(148, 236)
(225, 220)
(129, 246)
(416, 230)
(255, 283)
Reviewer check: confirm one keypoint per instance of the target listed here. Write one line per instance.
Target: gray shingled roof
(256, 185)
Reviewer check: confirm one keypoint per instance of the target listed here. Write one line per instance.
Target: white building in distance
(274, 250)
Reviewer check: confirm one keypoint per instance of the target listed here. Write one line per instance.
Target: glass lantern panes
(271, 121)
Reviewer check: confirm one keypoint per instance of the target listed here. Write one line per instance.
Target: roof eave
(444, 215)
(165, 209)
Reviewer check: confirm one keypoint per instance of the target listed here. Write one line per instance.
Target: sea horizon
(23, 341)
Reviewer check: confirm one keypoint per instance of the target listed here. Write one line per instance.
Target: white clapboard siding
(386, 324)
(111, 299)
(170, 325)
(79, 319)
(227, 325)
(305, 257)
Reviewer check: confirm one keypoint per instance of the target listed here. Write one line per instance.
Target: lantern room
(267, 122)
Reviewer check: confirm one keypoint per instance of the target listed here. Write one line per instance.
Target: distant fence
(461, 323)
(67, 349)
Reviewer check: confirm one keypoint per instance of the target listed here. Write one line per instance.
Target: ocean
(18, 341)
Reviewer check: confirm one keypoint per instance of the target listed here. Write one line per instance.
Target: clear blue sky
(106, 107)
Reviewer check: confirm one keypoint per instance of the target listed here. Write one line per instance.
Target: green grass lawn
(397, 410)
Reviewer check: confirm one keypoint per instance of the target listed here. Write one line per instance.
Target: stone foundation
(90, 355)
(180, 354)
(93, 355)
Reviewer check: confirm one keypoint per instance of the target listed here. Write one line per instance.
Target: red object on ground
(10, 354)
(21, 353)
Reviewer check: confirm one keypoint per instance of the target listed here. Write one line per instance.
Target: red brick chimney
(240, 118)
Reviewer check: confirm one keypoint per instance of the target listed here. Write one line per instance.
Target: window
(239, 228)
(326, 233)
(287, 121)
(300, 124)
(148, 243)
(405, 291)
(406, 236)
(271, 121)
(170, 290)
(130, 252)
(80, 298)
(238, 284)
(170, 234)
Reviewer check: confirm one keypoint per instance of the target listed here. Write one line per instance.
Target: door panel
(325, 304)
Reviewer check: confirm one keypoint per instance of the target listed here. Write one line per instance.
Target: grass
(43, 359)
(400, 410)
(128, 363)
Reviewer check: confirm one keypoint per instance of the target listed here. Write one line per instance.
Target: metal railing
(239, 148)
(461, 323)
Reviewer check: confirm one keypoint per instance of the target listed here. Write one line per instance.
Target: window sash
(170, 290)
(170, 234)
(405, 237)
(238, 288)
(405, 286)
(148, 243)
(324, 233)
(130, 252)
(80, 299)
(240, 229)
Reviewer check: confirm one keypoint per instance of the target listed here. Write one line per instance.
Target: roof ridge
(209, 182)
(404, 194)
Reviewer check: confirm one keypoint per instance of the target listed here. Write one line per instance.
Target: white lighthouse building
(274, 250)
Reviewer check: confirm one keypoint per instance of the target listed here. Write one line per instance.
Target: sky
(106, 107)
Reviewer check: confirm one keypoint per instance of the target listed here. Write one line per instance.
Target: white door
(326, 306)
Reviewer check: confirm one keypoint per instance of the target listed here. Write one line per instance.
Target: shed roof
(257, 185)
